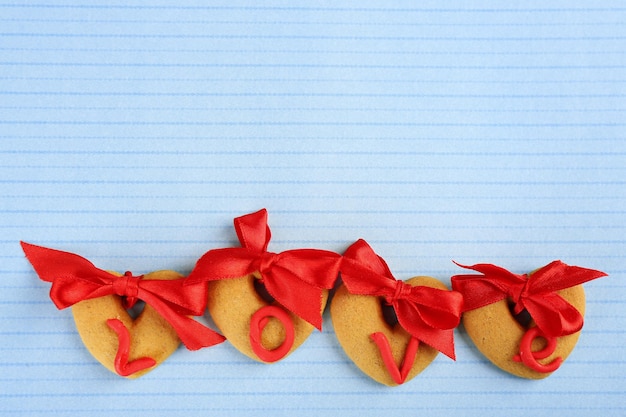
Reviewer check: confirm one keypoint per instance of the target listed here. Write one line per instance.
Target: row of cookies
(266, 305)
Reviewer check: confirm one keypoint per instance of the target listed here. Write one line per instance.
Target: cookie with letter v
(101, 300)
(266, 304)
(392, 330)
(526, 324)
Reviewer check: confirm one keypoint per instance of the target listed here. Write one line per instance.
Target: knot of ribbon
(402, 291)
(535, 292)
(428, 314)
(127, 286)
(75, 279)
(294, 278)
(265, 261)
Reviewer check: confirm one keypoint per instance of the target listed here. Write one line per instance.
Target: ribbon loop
(75, 279)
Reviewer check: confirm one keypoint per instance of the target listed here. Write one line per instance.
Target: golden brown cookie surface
(151, 336)
(497, 335)
(356, 317)
(232, 303)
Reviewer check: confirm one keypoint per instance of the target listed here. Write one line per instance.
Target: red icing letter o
(258, 321)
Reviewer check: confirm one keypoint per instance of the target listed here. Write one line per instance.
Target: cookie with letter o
(253, 322)
(265, 303)
(128, 346)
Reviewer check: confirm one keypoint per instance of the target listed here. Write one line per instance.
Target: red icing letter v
(122, 366)
(398, 374)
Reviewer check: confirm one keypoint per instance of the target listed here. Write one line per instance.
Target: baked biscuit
(526, 325)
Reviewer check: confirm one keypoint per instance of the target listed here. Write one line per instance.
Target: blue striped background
(134, 133)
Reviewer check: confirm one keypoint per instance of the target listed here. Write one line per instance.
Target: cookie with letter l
(101, 300)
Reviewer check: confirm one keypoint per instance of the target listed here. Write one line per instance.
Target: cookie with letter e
(391, 329)
(526, 324)
(266, 304)
(101, 303)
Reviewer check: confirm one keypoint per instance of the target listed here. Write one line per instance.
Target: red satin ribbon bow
(294, 278)
(535, 292)
(428, 314)
(74, 279)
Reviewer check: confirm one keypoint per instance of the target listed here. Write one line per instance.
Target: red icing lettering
(258, 322)
(529, 358)
(398, 374)
(122, 366)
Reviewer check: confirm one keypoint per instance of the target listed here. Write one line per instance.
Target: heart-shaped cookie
(391, 329)
(528, 324)
(265, 303)
(100, 298)
(498, 335)
(356, 318)
(240, 311)
(151, 336)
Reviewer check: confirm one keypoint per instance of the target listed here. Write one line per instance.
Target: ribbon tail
(51, 263)
(436, 308)
(554, 315)
(193, 334)
(196, 336)
(489, 270)
(297, 296)
(73, 277)
(441, 339)
(558, 275)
